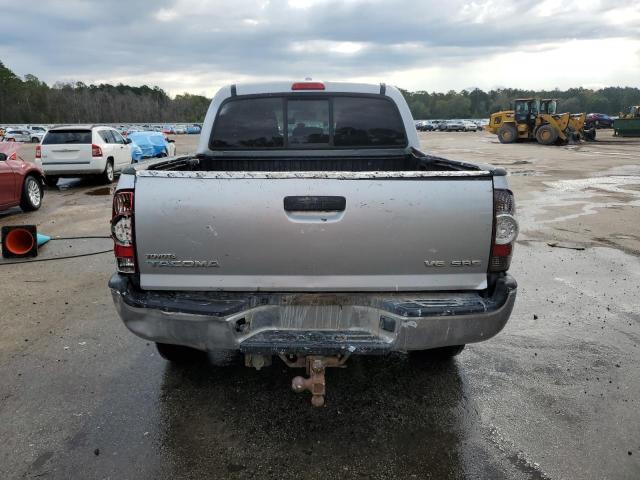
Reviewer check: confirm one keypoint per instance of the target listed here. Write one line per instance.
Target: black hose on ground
(66, 257)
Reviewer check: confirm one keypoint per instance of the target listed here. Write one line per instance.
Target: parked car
(438, 124)
(194, 129)
(453, 126)
(425, 126)
(37, 128)
(269, 247)
(21, 183)
(83, 150)
(168, 129)
(599, 120)
(149, 145)
(180, 129)
(469, 126)
(14, 135)
(36, 135)
(131, 129)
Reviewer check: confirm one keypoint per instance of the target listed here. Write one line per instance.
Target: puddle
(517, 162)
(528, 173)
(585, 196)
(100, 191)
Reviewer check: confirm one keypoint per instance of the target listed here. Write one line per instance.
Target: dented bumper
(314, 323)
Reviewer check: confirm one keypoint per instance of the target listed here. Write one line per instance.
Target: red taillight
(96, 151)
(505, 231)
(122, 231)
(307, 86)
(38, 152)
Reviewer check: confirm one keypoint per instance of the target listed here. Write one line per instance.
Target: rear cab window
(75, 136)
(309, 121)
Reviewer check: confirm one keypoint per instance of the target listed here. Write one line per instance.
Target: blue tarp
(147, 145)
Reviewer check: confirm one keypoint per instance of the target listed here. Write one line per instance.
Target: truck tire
(108, 174)
(441, 354)
(546, 135)
(179, 353)
(31, 197)
(590, 135)
(507, 133)
(51, 180)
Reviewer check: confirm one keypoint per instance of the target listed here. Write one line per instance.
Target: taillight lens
(96, 151)
(38, 151)
(505, 230)
(122, 231)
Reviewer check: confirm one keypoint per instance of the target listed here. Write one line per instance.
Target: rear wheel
(507, 133)
(179, 353)
(31, 198)
(108, 174)
(441, 354)
(51, 180)
(35, 140)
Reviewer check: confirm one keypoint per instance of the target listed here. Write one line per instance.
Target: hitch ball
(314, 384)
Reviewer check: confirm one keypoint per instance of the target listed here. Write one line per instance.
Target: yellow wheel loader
(535, 119)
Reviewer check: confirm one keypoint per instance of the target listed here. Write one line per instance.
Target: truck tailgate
(330, 231)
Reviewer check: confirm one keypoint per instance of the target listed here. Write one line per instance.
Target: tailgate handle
(314, 204)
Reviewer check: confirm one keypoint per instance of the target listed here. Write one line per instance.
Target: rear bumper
(94, 166)
(313, 323)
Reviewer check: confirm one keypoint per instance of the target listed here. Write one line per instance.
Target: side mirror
(127, 140)
(3, 157)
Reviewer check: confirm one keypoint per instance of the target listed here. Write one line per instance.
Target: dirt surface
(555, 395)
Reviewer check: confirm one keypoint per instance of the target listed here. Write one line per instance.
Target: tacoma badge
(169, 260)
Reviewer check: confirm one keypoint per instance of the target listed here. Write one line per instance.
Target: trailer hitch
(315, 382)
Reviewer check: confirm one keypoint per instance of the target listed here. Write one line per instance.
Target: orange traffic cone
(19, 241)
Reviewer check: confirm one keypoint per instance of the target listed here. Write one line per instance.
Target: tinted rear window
(367, 122)
(67, 136)
(308, 122)
(249, 123)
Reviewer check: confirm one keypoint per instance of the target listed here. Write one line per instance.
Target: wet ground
(555, 395)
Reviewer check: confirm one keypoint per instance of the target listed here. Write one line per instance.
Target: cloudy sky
(199, 45)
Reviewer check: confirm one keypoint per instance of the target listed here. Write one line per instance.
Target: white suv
(83, 150)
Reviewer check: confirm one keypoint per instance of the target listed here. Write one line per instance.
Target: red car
(21, 183)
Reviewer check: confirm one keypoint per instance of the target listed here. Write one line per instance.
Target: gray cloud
(93, 40)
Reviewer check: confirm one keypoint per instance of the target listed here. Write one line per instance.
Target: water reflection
(385, 417)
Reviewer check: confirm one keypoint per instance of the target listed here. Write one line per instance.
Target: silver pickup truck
(310, 227)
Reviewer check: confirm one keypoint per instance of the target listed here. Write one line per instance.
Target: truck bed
(413, 160)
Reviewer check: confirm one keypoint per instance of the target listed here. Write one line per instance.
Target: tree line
(30, 100)
(479, 104)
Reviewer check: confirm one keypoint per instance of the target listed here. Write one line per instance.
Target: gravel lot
(555, 395)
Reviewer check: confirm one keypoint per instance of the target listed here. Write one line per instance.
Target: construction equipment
(535, 119)
(628, 124)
